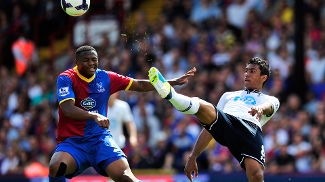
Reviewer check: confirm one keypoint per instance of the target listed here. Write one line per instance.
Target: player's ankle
(170, 95)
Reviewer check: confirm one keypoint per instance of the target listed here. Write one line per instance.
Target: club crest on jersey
(249, 100)
(88, 103)
(63, 91)
(100, 87)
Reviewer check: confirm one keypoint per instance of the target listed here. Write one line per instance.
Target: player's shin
(59, 177)
(185, 104)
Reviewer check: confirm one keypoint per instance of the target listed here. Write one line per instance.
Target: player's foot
(159, 82)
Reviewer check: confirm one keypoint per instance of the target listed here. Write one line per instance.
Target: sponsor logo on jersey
(249, 100)
(63, 91)
(88, 103)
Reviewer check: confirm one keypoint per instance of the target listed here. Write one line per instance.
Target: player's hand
(191, 168)
(184, 78)
(257, 112)
(133, 142)
(102, 121)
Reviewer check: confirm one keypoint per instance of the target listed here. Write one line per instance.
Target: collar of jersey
(82, 77)
(252, 91)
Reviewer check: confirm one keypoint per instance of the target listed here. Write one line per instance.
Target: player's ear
(76, 62)
(264, 78)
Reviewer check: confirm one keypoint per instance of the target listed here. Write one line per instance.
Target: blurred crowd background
(215, 36)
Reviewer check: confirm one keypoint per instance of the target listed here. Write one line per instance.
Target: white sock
(183, 103)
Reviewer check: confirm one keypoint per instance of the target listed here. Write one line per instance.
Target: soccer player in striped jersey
(83, 138)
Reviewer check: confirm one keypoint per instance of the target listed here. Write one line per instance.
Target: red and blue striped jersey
(89, 94)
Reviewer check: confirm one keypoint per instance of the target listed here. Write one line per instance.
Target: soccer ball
(75, 7)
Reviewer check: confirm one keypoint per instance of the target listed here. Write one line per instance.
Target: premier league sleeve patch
(63, 91)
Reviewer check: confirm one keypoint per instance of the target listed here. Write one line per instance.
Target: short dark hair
(84, 48)
(263, 65)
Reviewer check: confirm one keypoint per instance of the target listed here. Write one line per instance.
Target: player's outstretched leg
(183, 103)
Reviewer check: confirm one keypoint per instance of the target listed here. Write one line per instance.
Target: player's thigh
(207, 112)
(253, 167)
(119, 170)
(62, 161)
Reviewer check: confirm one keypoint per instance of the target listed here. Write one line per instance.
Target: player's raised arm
(141, 85)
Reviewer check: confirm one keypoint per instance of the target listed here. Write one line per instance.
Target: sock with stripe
(183, 103)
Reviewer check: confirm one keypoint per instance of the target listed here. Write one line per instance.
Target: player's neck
(253, 90)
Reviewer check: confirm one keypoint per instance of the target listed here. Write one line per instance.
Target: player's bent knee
(62, 169)
(254, 170)
(256, 175)
(207, 113)
(57, 169)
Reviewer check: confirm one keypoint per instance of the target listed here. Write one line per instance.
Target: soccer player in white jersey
(236, 122)
(119, 113)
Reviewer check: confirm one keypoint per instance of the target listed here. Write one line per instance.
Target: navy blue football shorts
(96, 151)
(243, 138)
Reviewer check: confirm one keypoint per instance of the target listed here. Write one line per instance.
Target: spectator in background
(161, 153)
(9, 163)
(174, 58)
(205, 11)
(293, 106)
(218, 157)
(301, 150)
(305, 121)
(181, 143)
(63, 62)
(281, 61)
(24, 51)
(174, 71)
(145, 120)
(315, 67)
(3, 22)
(284, 160)
(140, 158)
(236, 14)
(222, 55)
(120, 115)
(311, 103)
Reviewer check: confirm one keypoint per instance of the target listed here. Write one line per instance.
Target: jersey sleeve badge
(63, 91)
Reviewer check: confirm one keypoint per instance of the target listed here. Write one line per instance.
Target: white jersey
(238, 103)
(119, 114)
